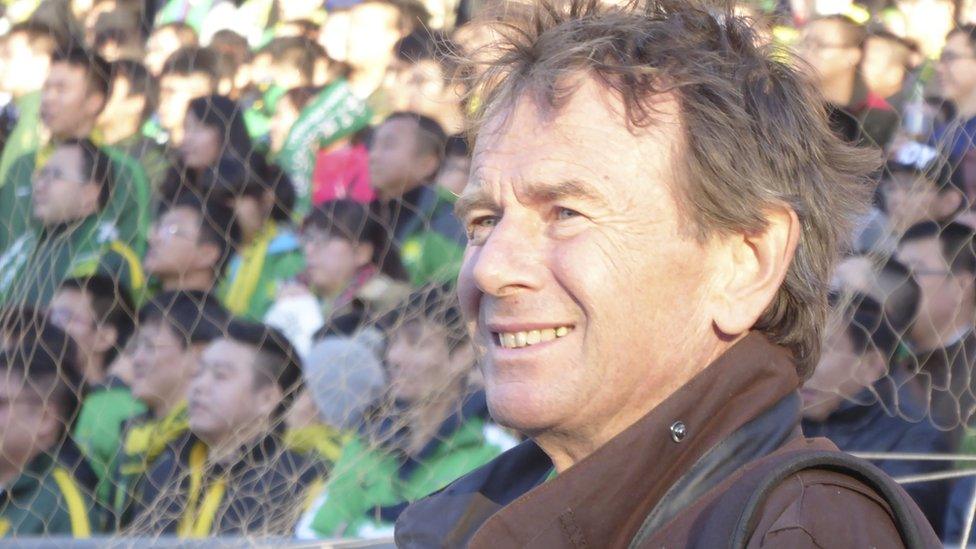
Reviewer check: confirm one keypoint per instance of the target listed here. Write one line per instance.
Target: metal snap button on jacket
(678, 431)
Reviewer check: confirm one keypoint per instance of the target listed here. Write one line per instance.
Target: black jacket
(263, 491)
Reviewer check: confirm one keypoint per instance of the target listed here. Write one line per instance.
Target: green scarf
(335, 113)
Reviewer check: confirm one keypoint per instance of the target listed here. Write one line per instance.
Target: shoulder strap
(838, 462)
(80, 524)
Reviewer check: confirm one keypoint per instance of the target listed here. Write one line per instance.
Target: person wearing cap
(343, 380)
(173, 329)
(207, 487)
(434, 429)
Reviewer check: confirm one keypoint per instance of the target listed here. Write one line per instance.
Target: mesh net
(222, 315)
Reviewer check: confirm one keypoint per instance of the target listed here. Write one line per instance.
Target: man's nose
(509, 261)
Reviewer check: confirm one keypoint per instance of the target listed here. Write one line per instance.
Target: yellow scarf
(246, 279)
(197, 522)
(151, 438)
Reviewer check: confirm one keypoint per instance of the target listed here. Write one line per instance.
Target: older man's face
(582, 282)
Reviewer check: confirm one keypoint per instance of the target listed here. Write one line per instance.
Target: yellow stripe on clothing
(80, 525)
(246, 278)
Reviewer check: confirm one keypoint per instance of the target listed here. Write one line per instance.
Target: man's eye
(566, 213)
(480, 227)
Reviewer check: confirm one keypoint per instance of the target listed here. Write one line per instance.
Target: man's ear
(751, 269)
(873, 367)
(106, 336)
(207, 255)
(94, 104)
(948, 203)
(88, 197)
(364, 254)
(267, 398)
(51, 426)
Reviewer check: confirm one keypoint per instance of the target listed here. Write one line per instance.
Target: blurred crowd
(227, 251)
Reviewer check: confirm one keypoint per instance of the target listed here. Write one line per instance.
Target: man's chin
(518, 408)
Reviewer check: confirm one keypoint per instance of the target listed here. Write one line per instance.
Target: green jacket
(432, 250)
(127, 209)
(26, 135)
(370, 485)
(250, 285)
(49, 498)
(98, 430)
(33, 267)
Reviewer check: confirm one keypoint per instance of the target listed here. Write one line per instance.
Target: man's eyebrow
(533, 193)
(474, 200)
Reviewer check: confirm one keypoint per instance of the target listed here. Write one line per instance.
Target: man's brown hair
(755, 135)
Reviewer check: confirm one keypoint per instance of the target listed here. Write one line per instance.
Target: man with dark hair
(26, 58)
(164, 41)
(174, 327)
(245, 381)
(885, 66)
(853, 399)
(190, 72)
(131, 104)
(917, 185)
(943, 260)
(956, 75)
(834, 47)
(47, 482)
(656, 205)
(191, 243)
(404, 157)
(74, 94)
(97, 313)
(71, 237)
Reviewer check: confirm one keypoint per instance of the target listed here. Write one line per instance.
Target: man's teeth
(515, 340)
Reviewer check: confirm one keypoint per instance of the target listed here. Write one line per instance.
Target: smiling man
(654, 208)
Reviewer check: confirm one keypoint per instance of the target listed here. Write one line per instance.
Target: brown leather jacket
(738, 414)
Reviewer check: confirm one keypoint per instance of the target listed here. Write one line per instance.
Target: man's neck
(940, 337)
(165, 408)
(227, 450)
(94, 369)
(83, 131)
(966, 107)
(839, 91)
(192, 280)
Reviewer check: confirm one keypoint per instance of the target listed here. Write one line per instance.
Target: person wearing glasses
(956, 75)
(190, 244)
(70, 237)
(943, 261)
(833, 46)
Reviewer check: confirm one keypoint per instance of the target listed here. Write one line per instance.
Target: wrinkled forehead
(585, 138)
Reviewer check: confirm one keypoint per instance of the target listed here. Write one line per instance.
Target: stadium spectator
(404, 157)
(190, 244)
(47, 482)
(886, 65)
(433, 433)
(71, 239)
(834, 47)
(26, 52)
(422, 80)
(943, 261)
(453, 173)
(633, 269)
(98, 315)
(956, 74)
(286, 113)
(270, 253)
(244, 383)
(129, 108)
(344, 381)
(174, 327)
(350, 268)
(74, 94)
(853, 399)
(918, 185)
(188, 73)
(117, 34)
(166, 40)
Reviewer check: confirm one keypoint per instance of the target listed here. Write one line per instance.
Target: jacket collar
(742, 406)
